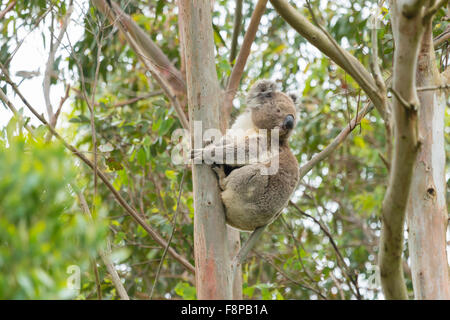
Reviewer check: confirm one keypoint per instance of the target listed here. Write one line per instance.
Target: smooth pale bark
(234, 245)
(427, 209)
(407, 31)
(212, 261)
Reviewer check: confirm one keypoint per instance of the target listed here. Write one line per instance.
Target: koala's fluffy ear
(260, 89)
(295, 98)
(264, 85)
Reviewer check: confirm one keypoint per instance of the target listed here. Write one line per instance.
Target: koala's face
(272, 109)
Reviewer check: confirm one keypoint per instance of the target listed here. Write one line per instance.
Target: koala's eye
(278, 110)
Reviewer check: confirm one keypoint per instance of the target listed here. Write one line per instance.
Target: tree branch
(289, 278)
(407, 30)
(8, 103)
(171, 234)
(210, 229)
(106, 254)
(238, 69)
(443, 37)
(378, 76)
(136, 99)
(433, 9)
(320, 38)
(236, 30)
(340, 259)
(127, 26)
(50, 61)
(8, 8)
(336, 141)
(170, 80)
(239, 259)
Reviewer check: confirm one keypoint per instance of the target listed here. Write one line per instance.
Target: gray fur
(252, 199)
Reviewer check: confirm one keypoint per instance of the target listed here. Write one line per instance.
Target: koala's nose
(288, 122)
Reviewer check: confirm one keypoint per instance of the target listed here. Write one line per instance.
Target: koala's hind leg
(219, 170)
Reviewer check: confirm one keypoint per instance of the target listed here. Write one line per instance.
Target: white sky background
(32, 56)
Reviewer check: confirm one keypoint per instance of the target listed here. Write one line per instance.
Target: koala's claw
(220, 172)
(218, 168)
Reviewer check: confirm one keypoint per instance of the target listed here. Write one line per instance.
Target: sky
(32, 56)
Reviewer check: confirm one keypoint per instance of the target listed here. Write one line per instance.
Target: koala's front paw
(220, 172)
(218, 169)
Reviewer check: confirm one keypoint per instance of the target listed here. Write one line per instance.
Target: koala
(253, 199)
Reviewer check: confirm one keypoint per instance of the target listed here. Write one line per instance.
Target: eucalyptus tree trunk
(212, 261)
(407, 28)
(427, 209)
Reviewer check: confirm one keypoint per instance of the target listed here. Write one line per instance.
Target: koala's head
(272, 109)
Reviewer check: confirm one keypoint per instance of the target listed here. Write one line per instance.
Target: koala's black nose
(288, 122)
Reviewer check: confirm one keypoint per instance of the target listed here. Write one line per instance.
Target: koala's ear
(263, 86)
(295, 98)
(260, 90)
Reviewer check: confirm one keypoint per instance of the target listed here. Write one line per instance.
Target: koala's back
(252, 199)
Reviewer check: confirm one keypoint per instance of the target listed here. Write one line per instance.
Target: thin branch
(320, 38)
(433, 9)
(432, 88)
(105, 255)
(61, 103)
(97, 279)
(55, 116)
(443, 37)
(403, 102)
(379, 81)
(16, 113)
(378, 76)
(150, 63)
(174, 224)
(291, 231)
(136, 99)
(129, 27)
(238, 69)
(244, 251)
(336, 142)
(35, 24)
(7, 9)
(50, 61)
(91, 107)
(132, 212)
(340, 259)
(288, 277)
(236, 30)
